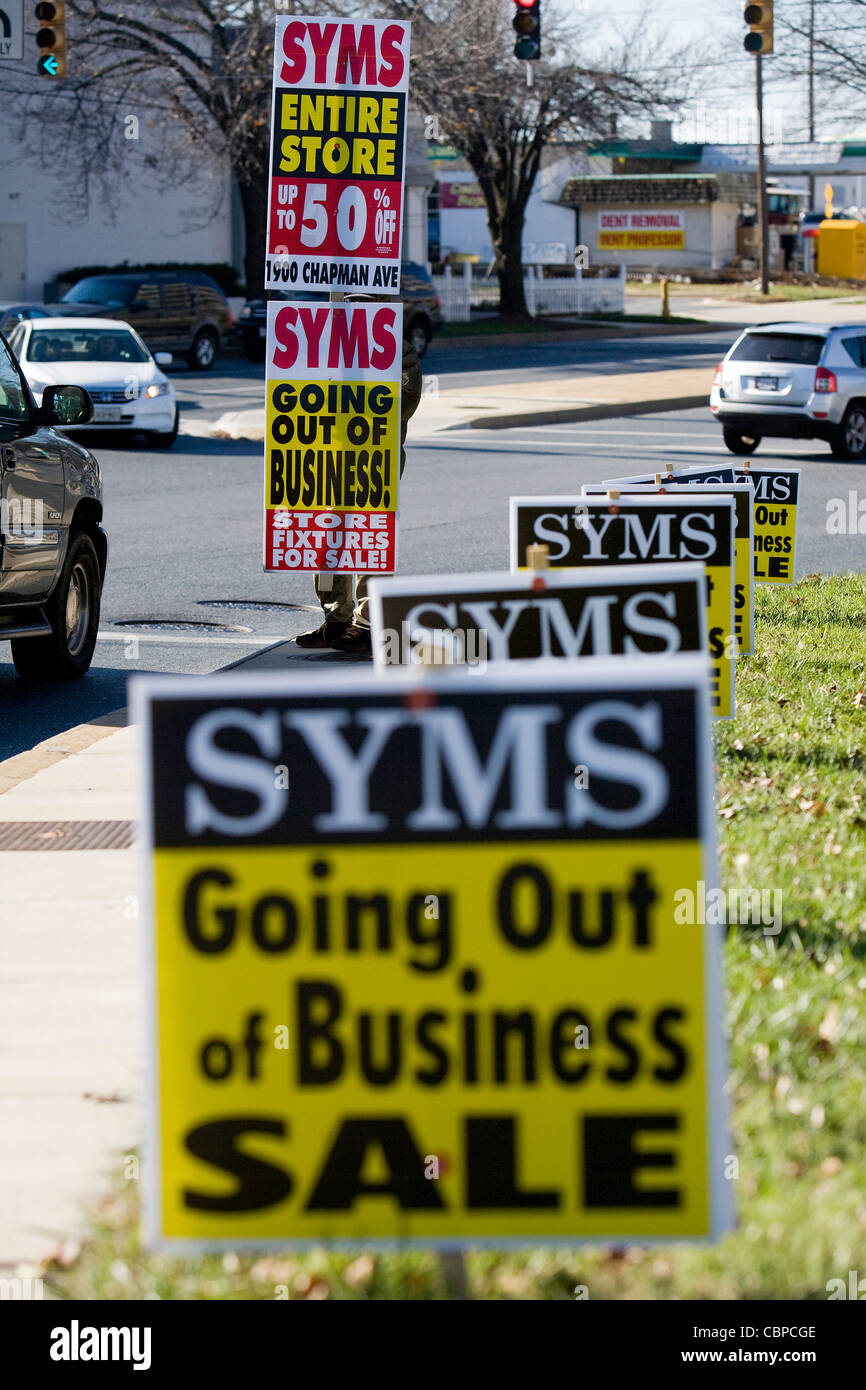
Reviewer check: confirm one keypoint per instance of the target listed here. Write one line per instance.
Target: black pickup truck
(53, 550)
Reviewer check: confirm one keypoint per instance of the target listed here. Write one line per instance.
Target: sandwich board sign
(338, 150)
(628, 610)
(332, 437)
(744, 589)
(777, 496)
(583, 531)
(408, 980)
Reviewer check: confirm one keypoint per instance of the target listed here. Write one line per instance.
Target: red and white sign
(332, 441)
(338, 144)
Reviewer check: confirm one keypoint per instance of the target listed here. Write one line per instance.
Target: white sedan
(109, 359)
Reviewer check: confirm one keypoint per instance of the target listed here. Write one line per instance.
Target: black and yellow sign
(415, 972)
(704, 480)
(582, 531)
(777, 493)
(332, 437)
(633, 610)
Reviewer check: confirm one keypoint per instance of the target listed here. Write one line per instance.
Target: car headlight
(246, 311)
(158, 388)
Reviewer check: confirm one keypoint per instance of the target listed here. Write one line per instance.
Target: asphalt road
(237, 384)
(185, 589)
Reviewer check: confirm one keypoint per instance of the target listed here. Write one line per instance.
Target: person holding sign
(346, 626)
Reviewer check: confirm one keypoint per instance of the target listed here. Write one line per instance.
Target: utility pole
(811, 95)
(763, 215)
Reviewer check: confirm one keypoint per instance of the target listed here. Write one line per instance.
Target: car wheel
(740, 443)
(419, 336)
(166, 438)
(202, 354)
(73, 613)
(849, 442)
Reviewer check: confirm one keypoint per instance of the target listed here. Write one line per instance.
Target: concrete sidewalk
(555, 401)
(72, 1062)
(70, 1079)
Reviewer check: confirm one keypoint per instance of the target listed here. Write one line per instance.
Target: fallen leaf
(828, 1028)
(859, 698)
(360, 1271)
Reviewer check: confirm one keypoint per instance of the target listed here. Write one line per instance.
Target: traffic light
(527, 27)
(760, 21)
(51, 37)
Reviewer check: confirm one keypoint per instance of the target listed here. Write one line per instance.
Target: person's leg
(335, 594)
(357, 638)
(361, 615)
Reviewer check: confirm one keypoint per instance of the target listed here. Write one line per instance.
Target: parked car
(185, 313)
(53, 550)
(422, 312)
(128, 389)
(13, 314)
(794, 381)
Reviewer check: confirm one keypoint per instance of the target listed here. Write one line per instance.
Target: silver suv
(53, 550)
(794, 381)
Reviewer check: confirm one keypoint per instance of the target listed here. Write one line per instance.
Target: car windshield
(84, 345)
(114, 294)
(797, 348)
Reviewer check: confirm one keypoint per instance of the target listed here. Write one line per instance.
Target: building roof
(640, 189)
(647, 149)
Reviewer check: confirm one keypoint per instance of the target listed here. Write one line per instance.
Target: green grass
(791, 771)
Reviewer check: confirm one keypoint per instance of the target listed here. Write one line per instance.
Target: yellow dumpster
(842, 249)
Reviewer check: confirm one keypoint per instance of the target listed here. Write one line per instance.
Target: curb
(22, 766)
(575, 414)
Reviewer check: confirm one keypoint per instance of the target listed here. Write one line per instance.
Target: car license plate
(107, 414)
(766, 383)
(263, 332)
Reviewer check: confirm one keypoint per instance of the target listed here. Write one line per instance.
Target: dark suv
(422, 312)
(53, 550)
(184, 312)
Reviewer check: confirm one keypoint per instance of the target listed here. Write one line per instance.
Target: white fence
(584, 294)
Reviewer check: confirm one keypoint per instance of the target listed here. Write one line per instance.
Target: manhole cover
(258, 605)
(170, 625)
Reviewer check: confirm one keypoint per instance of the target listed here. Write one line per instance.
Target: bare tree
(824, 41)
(200, 73)
(465, 73)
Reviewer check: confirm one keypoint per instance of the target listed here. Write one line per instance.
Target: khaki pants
(344, 597)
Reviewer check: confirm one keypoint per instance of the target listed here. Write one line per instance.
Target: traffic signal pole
(763, 214)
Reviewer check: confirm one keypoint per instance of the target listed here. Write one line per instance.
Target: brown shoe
(357, 640)
(323, 636)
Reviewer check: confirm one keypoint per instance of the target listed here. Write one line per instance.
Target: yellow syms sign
(703, 479)
(776, 498)
(619, 528)
(413, 976)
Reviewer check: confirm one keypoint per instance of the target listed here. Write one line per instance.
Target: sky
(724, 74)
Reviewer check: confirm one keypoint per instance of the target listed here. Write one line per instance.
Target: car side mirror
(66, 405)
(163, 359)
